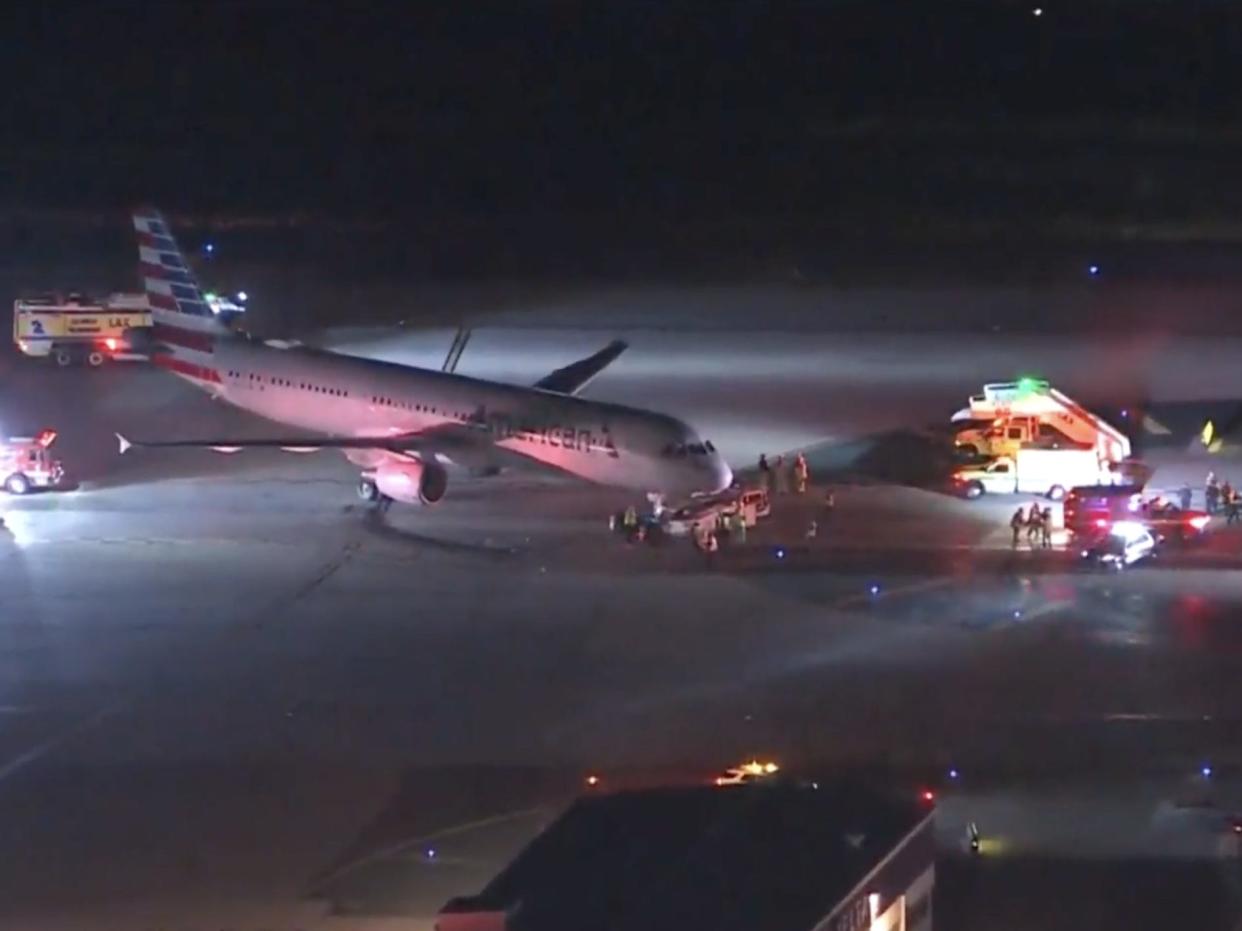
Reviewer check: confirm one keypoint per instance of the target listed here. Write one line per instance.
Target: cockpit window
(687, 449)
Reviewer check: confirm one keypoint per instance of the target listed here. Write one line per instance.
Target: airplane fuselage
(347, 396)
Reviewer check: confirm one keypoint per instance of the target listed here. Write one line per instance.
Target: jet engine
(412, 482)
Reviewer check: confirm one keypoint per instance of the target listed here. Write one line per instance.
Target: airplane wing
(574, 377)
(442, 439)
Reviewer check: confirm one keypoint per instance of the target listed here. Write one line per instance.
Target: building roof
(772, 856)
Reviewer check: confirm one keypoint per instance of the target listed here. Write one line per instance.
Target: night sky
(731, 107)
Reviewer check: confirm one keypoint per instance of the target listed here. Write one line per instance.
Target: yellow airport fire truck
(77, 330)
(26, 463)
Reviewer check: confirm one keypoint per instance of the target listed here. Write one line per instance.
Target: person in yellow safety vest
(802, 474)
(629, 522)
(737, 527)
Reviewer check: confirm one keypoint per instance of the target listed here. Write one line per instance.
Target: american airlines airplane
(401, 424)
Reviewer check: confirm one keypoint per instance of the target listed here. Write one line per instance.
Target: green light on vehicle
(1028, 385)
(210, 296)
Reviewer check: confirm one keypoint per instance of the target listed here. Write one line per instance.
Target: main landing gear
(369, 491)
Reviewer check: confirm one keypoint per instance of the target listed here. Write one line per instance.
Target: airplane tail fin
(184, 326)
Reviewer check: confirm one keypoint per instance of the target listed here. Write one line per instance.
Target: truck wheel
(968, 451)
(367, 490)
(1056, 492)
(17, 484)
(974, 490)
(63, 357)
(95, 358)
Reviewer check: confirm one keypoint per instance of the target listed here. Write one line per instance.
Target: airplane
(400, 424)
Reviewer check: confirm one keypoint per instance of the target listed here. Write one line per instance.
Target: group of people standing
(778, 476)
(1036, 522)
(1222, 496)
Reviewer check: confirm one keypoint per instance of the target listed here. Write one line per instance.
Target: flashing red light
(1199, 521)
(927, 795)
(592, 781)
(111, 343)
(1101, 522)
(46, 438)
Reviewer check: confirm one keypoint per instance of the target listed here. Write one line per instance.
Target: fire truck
(26, 463)
(75, 329)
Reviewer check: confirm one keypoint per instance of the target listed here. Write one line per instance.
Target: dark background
(632, 137)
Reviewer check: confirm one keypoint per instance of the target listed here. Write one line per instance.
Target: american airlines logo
(503, 427)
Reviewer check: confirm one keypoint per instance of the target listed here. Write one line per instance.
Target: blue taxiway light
(1093, 270)
(1206, 771)
(953, 774)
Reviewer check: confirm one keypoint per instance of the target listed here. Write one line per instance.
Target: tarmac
(233, 696)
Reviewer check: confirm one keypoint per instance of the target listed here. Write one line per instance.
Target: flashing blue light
(1206, 771)
(1017, 615)
(953, 773)
(209, 248)
(431, 853)
(874, 589)
(242, 296)
(780, 552)
(1093, 270)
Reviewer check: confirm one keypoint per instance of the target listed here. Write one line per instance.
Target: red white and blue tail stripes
(183, 322)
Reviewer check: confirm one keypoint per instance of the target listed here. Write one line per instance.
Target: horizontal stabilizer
(1153, 426)
(574, 377)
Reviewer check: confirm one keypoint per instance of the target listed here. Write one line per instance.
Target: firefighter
(738, 529)
(1232, 503)
(765, 473)
(629, 523)
(1016, 523)
(1045, 528)
(1034, 520)
(712, 545)
(1211, 493)
(1184, 496)
(781, 475)
(802, 474)
(812, 530)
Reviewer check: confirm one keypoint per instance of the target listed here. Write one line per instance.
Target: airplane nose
(722, 473)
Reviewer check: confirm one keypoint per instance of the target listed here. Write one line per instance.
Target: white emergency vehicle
(1029, 413)
(26, 463)
(1047, 472)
